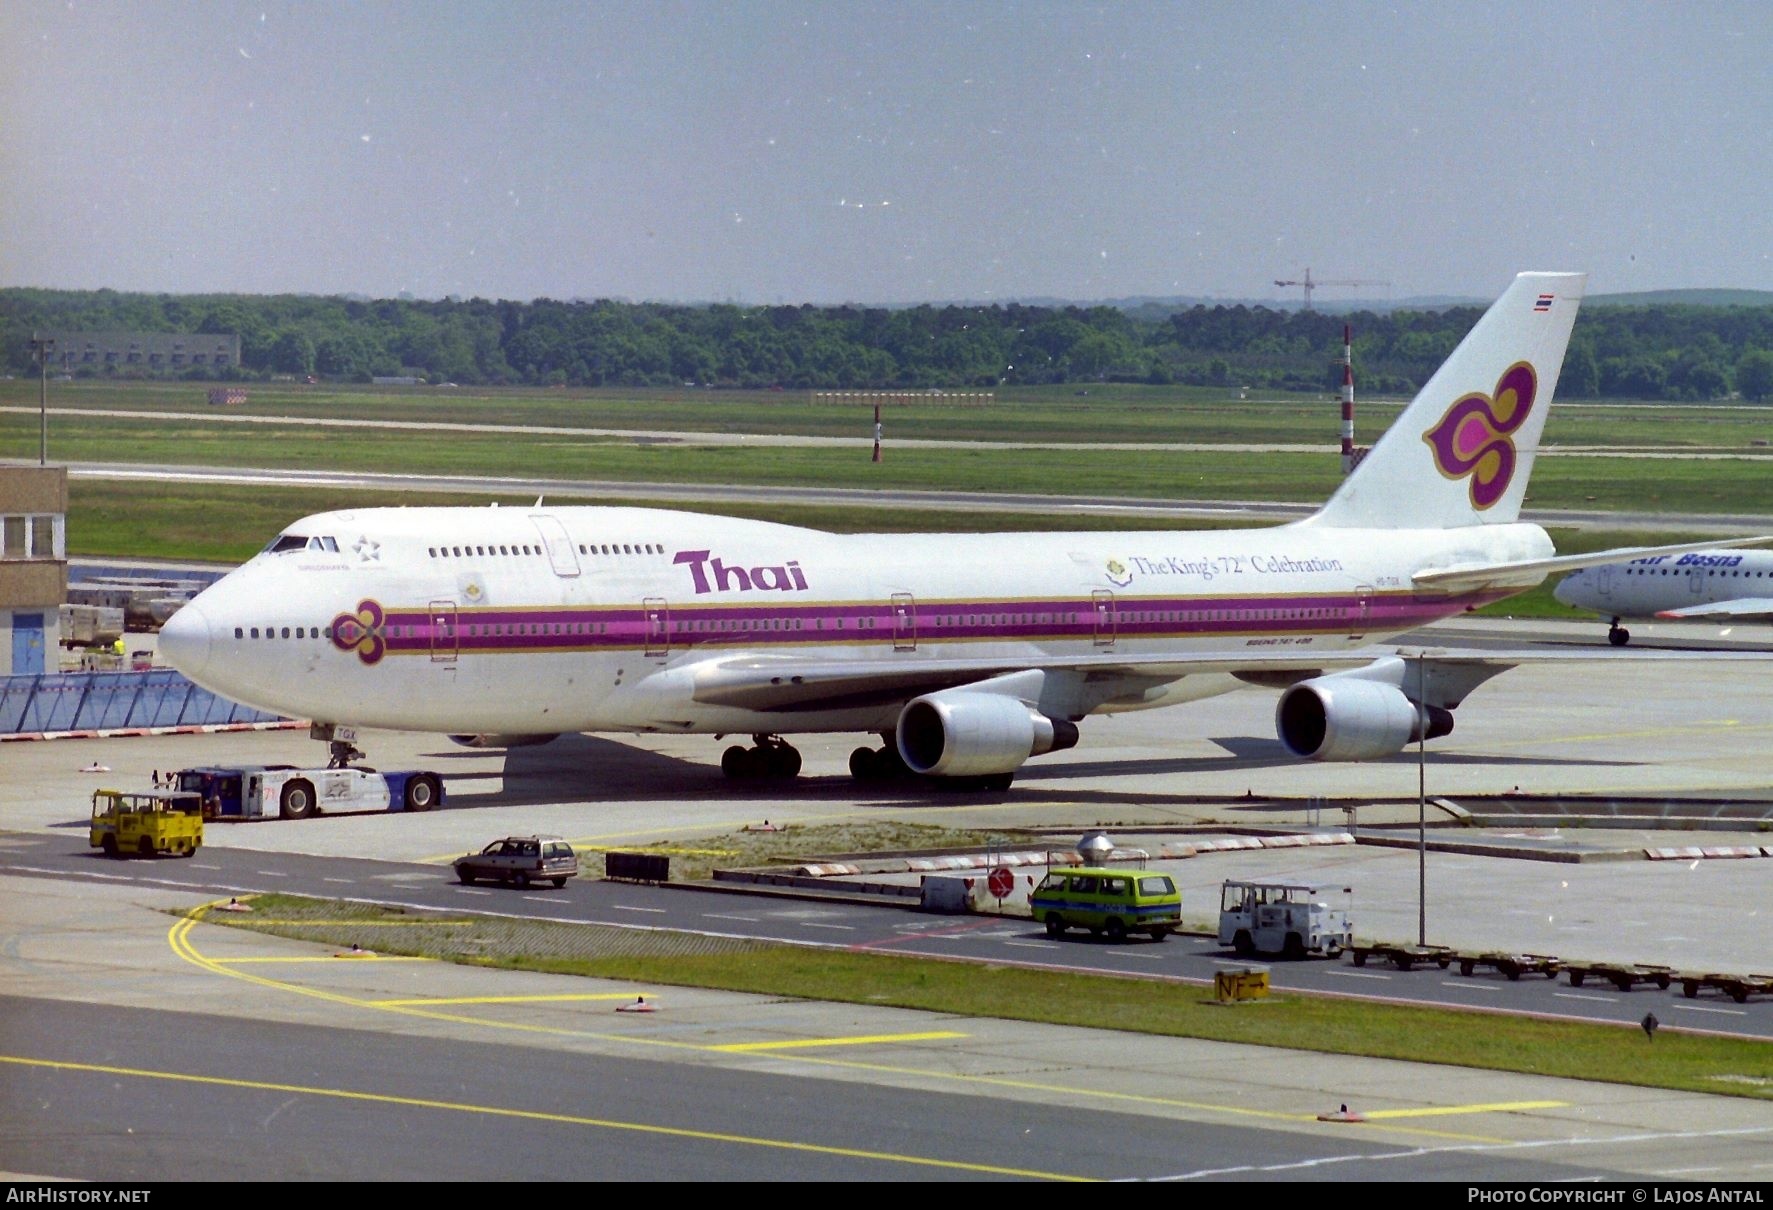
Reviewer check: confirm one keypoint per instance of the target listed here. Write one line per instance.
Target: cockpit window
(284, 543)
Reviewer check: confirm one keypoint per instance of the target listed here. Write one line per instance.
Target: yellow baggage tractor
(125, 823)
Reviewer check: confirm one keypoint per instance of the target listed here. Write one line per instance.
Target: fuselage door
(1102, 605)
(444, 643)
(1603, 580)
(1363, 611)
(658, 626)
(558, 545)
(904, 622)
(1696, 580)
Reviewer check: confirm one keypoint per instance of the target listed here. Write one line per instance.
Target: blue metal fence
(80, 701)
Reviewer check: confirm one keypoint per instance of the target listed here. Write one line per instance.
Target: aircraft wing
(769, 682)
(1742, 609)
(1528, 572)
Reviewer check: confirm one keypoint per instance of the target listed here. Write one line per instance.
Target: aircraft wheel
(782, 760)
(888, 764)
(1619, 636)
(862, 764)
(736, 763)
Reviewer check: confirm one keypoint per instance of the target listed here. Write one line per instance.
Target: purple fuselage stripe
(486, 631)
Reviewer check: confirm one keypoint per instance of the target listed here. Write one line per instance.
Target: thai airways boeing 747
(966, 654)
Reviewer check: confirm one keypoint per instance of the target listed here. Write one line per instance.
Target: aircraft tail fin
(1461, 452)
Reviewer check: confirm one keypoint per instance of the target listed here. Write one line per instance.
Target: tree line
(1664, 352)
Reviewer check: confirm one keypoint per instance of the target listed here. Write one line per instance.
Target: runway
(1250, 512)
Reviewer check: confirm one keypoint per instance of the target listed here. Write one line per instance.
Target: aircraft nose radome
(184, 640)
(1562, 591)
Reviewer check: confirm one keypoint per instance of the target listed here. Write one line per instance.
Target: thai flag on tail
(1544, 302)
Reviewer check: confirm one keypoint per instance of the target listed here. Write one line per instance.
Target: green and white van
(1110, 903)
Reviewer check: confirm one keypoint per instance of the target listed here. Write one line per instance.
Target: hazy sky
(887, 151)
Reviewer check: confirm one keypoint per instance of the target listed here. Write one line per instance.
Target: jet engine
(1351, 718)
(965, 733)
(490, 740)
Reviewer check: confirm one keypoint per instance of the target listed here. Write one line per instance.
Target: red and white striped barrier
(1702, 852)
(132, 732)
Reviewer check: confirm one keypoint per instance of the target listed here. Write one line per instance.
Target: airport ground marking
(1048, 1090)
(1627, 1140)
(564, 998)
(938, 1035)
(533, 1115)
(179, 939)
(313, 958)
(1438, 1111)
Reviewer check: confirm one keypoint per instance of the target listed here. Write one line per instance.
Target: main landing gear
(769, 757)
(1618, 635)
(884, 764)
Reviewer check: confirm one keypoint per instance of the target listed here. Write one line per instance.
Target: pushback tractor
(284, 792)
(1292, 919)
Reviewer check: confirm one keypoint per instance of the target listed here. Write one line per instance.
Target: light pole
(42, 346)
(1421, 799)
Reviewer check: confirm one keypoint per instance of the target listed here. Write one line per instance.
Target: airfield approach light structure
(41, 348)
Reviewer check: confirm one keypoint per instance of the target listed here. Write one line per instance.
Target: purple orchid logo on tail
(1475, 439)
(360, 632)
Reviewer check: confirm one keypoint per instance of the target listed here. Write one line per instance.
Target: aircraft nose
(1564, 588)
(184, 640)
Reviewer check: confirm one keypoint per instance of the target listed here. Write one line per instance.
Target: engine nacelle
(964, 733)
(489, 740)
(1351, 718)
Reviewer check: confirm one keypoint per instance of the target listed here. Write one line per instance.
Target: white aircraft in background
(1705, 585)
(966, 654)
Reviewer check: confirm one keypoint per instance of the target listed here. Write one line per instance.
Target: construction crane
(1311, 283)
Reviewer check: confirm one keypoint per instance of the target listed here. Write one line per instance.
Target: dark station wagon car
(520, 861)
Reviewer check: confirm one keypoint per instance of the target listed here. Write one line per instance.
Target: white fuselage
(554, 620)
(1644, 588)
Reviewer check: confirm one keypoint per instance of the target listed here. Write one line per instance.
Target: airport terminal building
(142, 352)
